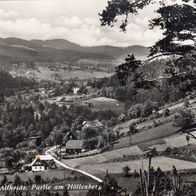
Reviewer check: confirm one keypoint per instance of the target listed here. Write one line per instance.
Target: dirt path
(50, 152)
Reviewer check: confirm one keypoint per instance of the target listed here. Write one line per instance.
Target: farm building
(95, 124)
(42, 163)
(70, 136)
(75, 90)
(74, 146)
(38, 165)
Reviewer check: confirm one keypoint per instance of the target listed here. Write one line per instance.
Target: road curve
(48, 152)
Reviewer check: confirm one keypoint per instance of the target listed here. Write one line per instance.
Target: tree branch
(194, 137)
(164, 77)
(159, 55)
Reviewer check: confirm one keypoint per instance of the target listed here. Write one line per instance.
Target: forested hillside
(10, 85)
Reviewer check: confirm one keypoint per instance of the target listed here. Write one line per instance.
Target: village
(97, 143)
(98, 98)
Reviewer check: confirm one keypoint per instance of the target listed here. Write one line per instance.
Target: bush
(184, 119)
(148, 108)
(37, 179)
(187, 104)
(126, 171)
(135, 111)
(17, 180)
(155, 123)
(132, 128)
(166, 112)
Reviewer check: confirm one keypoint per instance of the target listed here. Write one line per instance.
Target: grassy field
(154, 133)
(104, 157)
(124, 127)
(60, 173)
(47, 74)
(179, 140)
(99, 103)
(66, 177)
(141, 141)
(164, 163)
(131, 183)
(146, 145)
(174, 141)
(104, 103)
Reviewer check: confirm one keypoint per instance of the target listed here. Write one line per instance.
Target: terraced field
(154, 133)
(101, 158)
(124, 127)
(179, 140)
(104, 103)
(164, 163)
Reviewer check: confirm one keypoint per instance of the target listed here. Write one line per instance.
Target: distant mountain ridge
(62, 50)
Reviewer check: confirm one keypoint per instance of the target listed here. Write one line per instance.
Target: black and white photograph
(97, 97)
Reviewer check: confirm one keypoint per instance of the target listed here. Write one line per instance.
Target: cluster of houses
(73, 144)
(76, 98)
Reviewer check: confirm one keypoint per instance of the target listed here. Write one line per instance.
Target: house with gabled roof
(95, 124)
(41, 163)
(70, 135)
(74, 146)
(38, 164)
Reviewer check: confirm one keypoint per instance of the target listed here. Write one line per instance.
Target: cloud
(80, 28)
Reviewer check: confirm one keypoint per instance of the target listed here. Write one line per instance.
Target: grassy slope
(148, 135)
(106, 156)
(103, 103)
(164, 163)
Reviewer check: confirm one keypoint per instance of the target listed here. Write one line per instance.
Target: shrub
(187, 104)
(155, 123)
(126, 171)
(184, 119)
(132, 128)
(148, 108)
(17, 180)
(135, 111)
(166, 112)
(37, 179)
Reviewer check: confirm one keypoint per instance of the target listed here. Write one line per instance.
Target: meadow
(154, 133)
(45, 73)
(104, 157)
(104, 103)
(164, 163)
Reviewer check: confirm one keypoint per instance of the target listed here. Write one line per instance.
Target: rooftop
(94, 123)
(75, 144)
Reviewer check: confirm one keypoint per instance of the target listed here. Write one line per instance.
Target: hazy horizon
(72, 42)
(75, 21)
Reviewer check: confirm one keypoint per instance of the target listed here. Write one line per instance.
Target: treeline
(8, 84)
(18, 121)
(162, 91)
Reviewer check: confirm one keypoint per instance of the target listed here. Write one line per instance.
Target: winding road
(49, 152)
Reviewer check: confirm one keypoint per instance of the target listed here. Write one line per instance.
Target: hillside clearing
(106, 156)
(104, 103)
(164, 163)
(154, 133)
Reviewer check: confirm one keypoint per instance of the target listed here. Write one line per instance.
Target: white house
(38, 165)
(75, 90)
(41, 163)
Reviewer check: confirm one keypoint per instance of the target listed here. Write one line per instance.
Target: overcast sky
(74, 20)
